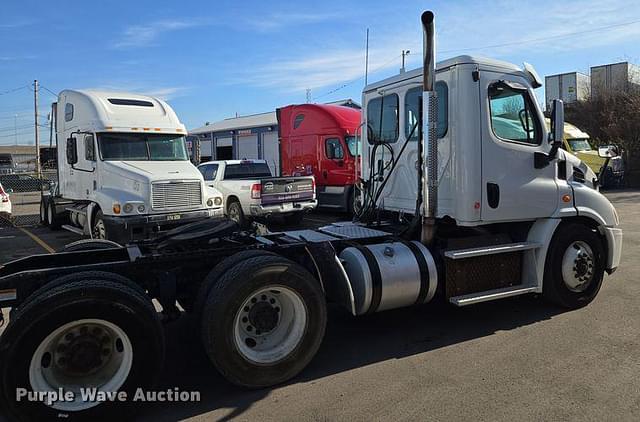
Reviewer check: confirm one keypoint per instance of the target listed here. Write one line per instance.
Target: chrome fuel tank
(390, 275)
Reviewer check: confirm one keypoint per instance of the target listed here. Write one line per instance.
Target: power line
(49, 91)
(9, 91)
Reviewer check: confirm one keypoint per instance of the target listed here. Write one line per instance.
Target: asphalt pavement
(515, 359)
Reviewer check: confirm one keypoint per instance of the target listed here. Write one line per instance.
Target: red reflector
(256, 191)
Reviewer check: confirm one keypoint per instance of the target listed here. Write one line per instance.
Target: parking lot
(513, 359)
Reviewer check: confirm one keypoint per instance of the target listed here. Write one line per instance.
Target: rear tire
(235, 213)
(574, 267)
(89, 332)
(263, 321)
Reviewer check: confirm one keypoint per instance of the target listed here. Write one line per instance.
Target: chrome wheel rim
(270, 324)
(99, 230)
(88, 353)
(234, 213)
(578, 265)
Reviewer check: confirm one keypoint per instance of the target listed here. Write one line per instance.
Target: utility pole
(308, 95)
(404, 54)
(15, 129)
(35, 111)
(366, 60)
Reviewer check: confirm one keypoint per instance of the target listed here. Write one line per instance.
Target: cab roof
(483, 63)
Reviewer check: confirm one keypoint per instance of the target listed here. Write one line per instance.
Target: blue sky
(211, 60)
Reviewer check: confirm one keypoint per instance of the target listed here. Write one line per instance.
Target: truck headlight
(128, 208)
(141, 208)
(209, 202)
(217, 200)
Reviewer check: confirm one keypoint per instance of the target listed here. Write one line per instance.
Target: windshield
(579, 144)
(142, 147)
(354, 144)
(247, 170)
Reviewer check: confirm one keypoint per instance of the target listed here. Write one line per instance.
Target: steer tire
(227, 301)
(43, 212)
(63, 302)
(53, 219)
(555, 288)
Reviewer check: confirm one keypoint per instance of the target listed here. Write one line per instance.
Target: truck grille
(175, 195)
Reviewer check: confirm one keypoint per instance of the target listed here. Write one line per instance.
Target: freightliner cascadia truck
(123, 168)
(467, 198)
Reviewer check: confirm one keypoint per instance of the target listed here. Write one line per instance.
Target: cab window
(412, 100)
(333, 149)
(513, 116)
(89, 148)
(209, 171)
(382, 119)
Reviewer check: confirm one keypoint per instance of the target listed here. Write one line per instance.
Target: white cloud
(144, 35)
(279, 20)
(497, 28)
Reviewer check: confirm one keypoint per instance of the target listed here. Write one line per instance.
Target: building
(615, 77)
(568, 87)
(23, 156)
(253, 136)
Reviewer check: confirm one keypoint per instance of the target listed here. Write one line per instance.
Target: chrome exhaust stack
(429, 179)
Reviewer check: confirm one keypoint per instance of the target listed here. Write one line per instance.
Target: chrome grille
(175, 195)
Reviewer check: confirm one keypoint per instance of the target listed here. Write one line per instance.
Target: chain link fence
(25, 190)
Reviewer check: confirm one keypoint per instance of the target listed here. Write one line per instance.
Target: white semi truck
(123, 168)
(467, 198)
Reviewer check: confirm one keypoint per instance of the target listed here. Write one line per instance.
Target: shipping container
(569, 87)
(615, 77)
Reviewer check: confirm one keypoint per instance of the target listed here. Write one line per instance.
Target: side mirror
(331, 153)
(72, 151)
(557, 123)
(608, 151)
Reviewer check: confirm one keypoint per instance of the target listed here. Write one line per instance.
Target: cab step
(76, 230)
(491, 250)
(489, 295)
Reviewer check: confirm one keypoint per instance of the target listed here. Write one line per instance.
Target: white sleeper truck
(123, 168)
(466, 198)
(250, 190)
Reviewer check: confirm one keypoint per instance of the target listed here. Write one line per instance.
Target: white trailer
(568, 87)
(614, 78)
(480, 205)
(123, 168)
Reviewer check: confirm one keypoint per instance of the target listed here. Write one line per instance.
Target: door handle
(493, 195)
(324, 174)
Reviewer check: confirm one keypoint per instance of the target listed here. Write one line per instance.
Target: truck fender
(91, 208)
(332, 275)
(533, 264)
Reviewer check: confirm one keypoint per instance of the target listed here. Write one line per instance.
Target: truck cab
(123, 168)
(321, 140)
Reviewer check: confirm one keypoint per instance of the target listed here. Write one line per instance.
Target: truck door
(332, 162)
(86, 166)
(512, 131)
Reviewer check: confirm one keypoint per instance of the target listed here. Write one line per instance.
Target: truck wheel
(53, 219)
(263, 321)
(43, 212)
(234, 212)
(294, 219)
(90, 333)
(99, 229)
(574, 267)
(212, 278)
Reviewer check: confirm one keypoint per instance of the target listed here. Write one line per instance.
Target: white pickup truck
(250, 190)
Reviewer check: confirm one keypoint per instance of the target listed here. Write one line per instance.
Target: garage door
(247, 147)
(271, 151)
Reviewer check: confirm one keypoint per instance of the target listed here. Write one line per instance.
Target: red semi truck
(321, 140)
